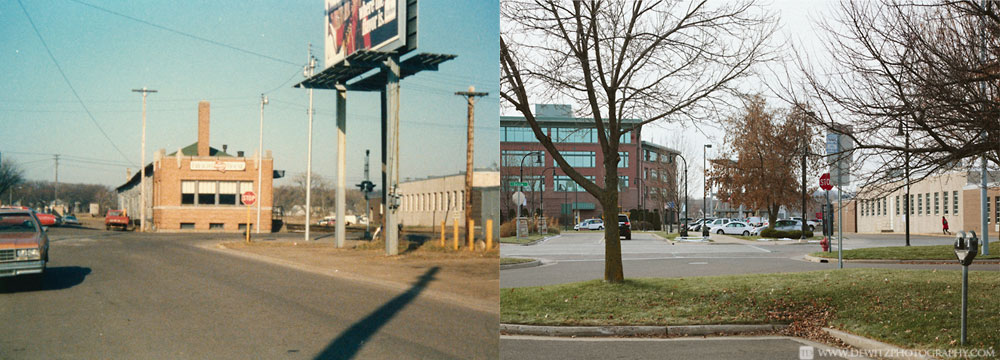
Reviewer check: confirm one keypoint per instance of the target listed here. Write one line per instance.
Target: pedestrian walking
(944, 225)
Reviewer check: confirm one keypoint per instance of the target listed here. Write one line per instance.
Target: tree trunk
(772, 215)
(613, 272)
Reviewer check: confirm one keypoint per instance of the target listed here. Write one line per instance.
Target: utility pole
(260, 156)
(471, 98)
(55, 196)
(308, 72)
(142, 164)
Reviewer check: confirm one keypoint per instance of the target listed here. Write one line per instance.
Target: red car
(24, 246)
(45, 219)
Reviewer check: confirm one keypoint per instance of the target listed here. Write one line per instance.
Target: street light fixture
(683, 230)
(538, 160)
(902, 131)
(704, 197)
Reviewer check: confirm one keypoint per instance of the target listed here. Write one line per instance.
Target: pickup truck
(116, 218)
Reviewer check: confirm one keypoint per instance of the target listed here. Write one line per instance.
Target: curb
(876, 261)
(602, 331)
(531, 263)
(864, 343)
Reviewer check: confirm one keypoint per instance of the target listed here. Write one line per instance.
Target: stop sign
(248, 198)
(824, 182)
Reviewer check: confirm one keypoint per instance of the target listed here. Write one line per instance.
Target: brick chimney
(203, 115)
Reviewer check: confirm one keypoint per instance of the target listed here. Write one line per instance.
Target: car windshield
(17, 223)
(114, 213)
(622, 218)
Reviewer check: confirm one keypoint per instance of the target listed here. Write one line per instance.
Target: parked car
(718, 222)
(696, 226)
(590, 224)
(116, 219)
(624, 227)
(70, 220)
(788, 225)
(733, 228)
(327, 221)
(811, 224)
(24, 245)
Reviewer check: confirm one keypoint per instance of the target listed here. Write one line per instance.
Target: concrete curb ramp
(531, 263)
(597, 331)
(864, 343)
(877, 261)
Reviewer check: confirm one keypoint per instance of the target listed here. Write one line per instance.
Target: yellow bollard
(442, 233)
(471, 231)
(456, 235)
(489, 234)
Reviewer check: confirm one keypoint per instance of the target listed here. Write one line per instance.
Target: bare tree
(917, 81)
(11, 175)
(655, 61)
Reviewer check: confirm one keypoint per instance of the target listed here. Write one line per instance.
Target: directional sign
(248, 198)
(515, 183)
(824, 182)
(839, 151)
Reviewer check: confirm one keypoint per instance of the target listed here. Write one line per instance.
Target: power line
(68, 83)
(178, 32)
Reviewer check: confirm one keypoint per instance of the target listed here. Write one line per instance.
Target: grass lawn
(934, 252)
(910, 308)
(508, 261)
(515, 240)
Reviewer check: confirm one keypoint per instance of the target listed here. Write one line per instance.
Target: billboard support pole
(390, 153)
(341, 162)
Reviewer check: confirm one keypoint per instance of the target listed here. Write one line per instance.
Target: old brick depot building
(197, 188)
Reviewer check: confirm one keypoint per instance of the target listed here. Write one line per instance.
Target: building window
(920, 204)
(535, 183)
(518, 134)
(944, 204)
(988, 210)
(187, 192)
(187, 226)
(927, 200)
(566, 184)
(878, 204)
(242, 227)
(626, 138)
(206, 193)
(574, 135)
(885, 206)
(897, 204)
(996, 208)
(936, 212)
(954, 203)
(215, 226)
(622, 159)
(228, 192)
(513, 158)
(580, 159)
(623, 182)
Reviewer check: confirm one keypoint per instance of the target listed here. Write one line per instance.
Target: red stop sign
(824, 182)
(248, 198)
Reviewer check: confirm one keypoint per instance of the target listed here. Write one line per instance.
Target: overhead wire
(68, 83)
(178, 32)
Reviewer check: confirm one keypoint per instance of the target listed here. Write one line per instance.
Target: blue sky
(105, 56)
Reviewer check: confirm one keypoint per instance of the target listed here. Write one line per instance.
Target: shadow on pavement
(55, 278)
(347, 345)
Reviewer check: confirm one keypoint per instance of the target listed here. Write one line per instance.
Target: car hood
(19, 240)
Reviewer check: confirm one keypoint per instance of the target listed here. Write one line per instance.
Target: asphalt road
(750, 348)
(579, 256)
(130, 295)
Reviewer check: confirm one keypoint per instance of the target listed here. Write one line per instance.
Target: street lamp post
(538, 160)
(565, 202)
(906, 169)
(683, 229)
(704, 197)
(805, 152)
(260, 156)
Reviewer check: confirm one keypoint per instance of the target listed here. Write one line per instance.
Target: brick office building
(198, 187)
(646, 170)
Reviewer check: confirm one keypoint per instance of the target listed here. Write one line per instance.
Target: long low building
(428, 202)
(955, 196)
(198, 188)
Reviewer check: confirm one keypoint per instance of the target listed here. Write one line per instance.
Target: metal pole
(965, 298)
(471, 115)
(309, 152)
(392, 152)
(906, 167)
(704, 197)
(341, 202)
(985, 212)
(260, 157)
(804, 226)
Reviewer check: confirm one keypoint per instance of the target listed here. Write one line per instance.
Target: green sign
(515, 183)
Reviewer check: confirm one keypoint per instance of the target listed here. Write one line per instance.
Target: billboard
(353, 25)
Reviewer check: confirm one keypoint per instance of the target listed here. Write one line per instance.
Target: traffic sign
(515, 183)
(824, 182)
(519, 198)
(248, 198)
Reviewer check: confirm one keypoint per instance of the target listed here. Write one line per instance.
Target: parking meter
(966, 248)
